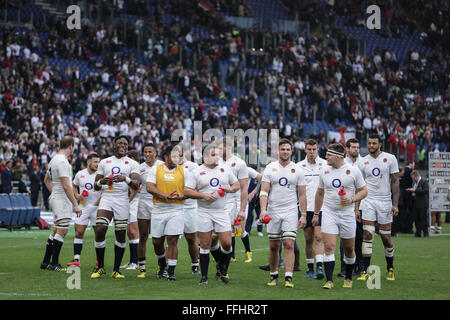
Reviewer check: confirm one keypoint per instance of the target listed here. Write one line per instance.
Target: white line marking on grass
(24, 294)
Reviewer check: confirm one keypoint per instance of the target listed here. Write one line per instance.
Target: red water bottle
(342, 194)
(110, 186)
(220, 192)
(237, 228)
(266, 219)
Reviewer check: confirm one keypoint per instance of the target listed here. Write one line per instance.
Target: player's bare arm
(48, 182)
(318, 202)
(133, 181)
(69, 193)
(263, 197)
(301, 192)
(360, 194)
(75, 192)
(193, 194)
(395, 188)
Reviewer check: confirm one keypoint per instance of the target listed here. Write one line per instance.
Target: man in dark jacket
(7, 178)
(419, 193)
(23, 185)
(407, 218)
(35, 186)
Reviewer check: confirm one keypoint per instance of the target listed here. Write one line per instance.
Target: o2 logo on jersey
(283, 181)
(336, 183)
(214, 182)
(115, 170)
(376, 172)
(88, 186)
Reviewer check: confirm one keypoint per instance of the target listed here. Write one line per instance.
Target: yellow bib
(169, 182)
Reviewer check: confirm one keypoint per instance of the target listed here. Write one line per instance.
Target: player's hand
(315, 221)
(119, 178)
(346, 202)
(394, 211)
(262, 215)
(241, 215)
(106, 180)
(358, 216)
(209, 197)
(302, 221)
(77, 210)
(227, 189)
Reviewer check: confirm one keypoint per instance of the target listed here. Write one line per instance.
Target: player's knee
(79, 234)
(288, 244)
(143, 238)
(318, 238)
(120, 225)
(369, 232)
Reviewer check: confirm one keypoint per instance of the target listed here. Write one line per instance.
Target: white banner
(439, 180)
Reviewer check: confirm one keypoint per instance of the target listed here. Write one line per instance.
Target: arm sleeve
(76, 180)
(359, 180)
(63, 170)
(393, 168)
(190, 180)
(151, 177)
(301, 181)
(266, 175)
(101, 168)
(243, 172)
(135, 168)
(231, 177)
(252, 173)
(321, 184)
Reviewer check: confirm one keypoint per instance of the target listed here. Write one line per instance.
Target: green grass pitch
(422, 272)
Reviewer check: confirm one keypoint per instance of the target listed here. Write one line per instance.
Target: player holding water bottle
(286, 183)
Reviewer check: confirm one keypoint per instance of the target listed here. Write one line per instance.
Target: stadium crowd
(406, 104)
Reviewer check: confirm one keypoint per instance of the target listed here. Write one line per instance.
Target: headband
(335, 153)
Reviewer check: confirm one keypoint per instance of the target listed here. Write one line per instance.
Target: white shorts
(167, 222)
(62, 210)
(217, 221)
(89, 214)
(341, 223)
(145, 208)
(134, 204)
(231, 208)
(120, 206)
(376, 210)
(282, 221)
(190, 220)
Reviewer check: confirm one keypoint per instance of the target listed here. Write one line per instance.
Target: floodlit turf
(422, 272)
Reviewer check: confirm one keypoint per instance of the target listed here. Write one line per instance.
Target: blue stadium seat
(34, 212)
(16, 202)
(8, 214)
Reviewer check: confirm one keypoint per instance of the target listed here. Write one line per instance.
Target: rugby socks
(246, 241)
(119, 250)
(233, 244)
(226, 256)
(366, 262)
(134, 250)
(329, 261)
(172, 264)
(57, 245)
(310, 263)
(319, 260)
(48, 250)
(204, 261)
(100, 252)
(349, 266)
(389, 253)
(162, 261)
(77, 247)
(141, 263)
(288, 276)
(216, 253)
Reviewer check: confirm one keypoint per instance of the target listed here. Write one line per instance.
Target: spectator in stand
(7, 178)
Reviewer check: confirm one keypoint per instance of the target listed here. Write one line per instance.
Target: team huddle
(171, 197)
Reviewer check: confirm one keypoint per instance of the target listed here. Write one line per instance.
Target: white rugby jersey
(332, 180)
(115, 166)
(283, 186)
(240, 171)
(312, 172)
(377, 173)
(85, 181)
(59, 167)
(350, 161)
(189, 168)
(144, 170)
(206, 180)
